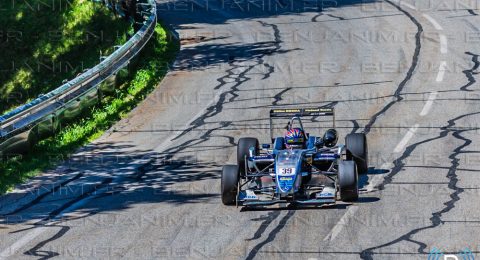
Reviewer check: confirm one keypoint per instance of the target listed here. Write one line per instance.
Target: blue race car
(299, 168)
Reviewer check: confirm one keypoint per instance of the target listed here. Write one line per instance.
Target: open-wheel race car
(288, 170)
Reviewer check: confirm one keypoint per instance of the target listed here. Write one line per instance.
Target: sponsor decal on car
(251, 195)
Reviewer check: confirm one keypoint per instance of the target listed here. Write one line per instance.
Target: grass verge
(151, 67)
(58, 38)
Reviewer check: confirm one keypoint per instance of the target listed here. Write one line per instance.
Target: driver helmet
(330, 138)
(295, 138)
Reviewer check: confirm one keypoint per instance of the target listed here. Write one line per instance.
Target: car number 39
(287, 171)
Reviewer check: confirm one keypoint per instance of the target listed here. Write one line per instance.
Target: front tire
(348, 181)
(243, 147)
(229, 184)
(357, 150)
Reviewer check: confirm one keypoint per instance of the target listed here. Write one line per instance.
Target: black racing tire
(243, 147)
(357, 150)
(348, 181)
(229, 184)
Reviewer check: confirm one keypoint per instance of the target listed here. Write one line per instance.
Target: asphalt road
(404, 73)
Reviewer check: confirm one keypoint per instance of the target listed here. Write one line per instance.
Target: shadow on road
(113, 169)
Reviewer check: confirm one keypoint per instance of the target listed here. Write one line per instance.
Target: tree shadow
(210, 55)
(224, 10)
(133, 176)
(111, 169)
(207, 55)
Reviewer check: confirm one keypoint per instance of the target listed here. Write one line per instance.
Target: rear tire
(243, 147)
(348, 181)
(229, 184)
(357, 150)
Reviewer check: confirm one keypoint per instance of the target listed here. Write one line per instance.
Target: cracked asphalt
(405, 73)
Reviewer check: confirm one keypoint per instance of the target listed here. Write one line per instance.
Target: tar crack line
(471, 72)
(452, 185)
(411, 70)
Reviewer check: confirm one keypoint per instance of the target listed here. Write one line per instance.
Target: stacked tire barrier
(42, 117)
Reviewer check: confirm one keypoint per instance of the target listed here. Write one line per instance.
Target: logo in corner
(437, 254)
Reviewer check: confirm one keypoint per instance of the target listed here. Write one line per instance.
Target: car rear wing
(299, 112)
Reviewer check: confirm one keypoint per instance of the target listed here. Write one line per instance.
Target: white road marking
(23, 241)
(400, 146)
(433, 21)
(341, 223)
(407, 5)
(377, 179)
(429, 103)
(443, 38)
(374, 182)
(441, 71)
(443, 44)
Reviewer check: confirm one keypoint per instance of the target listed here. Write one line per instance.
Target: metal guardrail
(23, 126)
